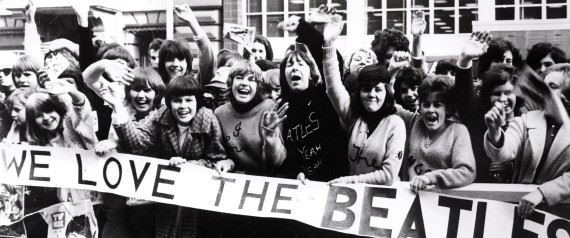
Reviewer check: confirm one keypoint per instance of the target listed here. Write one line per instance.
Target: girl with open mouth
(438, 150)
(377, 135)
(181, 131)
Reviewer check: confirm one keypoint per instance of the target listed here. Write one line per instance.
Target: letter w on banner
(368, 210)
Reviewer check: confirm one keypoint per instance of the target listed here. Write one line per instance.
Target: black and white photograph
(284, 118)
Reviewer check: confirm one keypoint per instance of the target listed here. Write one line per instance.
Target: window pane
(272, 22)
(254, 5)
(556, 12)
(396, 4)
(555, 1)
(377, 4)
(443, 3)
(296, 5)
(316, 3)
(396, 20)
(255, 21)
(504, 2)
(443, 22)
(339, 4)
(420, 3)
(530, 1)
(507, 13)
(531, 13)
(468, 3)
(466, 18)
(275, 6)
(374, 22)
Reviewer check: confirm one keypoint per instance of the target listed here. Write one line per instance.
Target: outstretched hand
(271, 120)
(418, 23)
(118, 72)
(332, 30)
(184, 12)
(476, 46)
(323, 14)
(30, 11)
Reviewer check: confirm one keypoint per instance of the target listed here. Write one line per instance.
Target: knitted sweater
(242, 139)
(375, 157)
(445, 158)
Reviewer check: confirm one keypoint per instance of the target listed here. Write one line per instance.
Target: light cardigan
(524, 142)
(376, 158)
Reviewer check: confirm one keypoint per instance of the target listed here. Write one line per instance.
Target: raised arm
(86, 48)
(32, 41)
(466, 101)
(418, 29)
(337, 93)
(207, 64)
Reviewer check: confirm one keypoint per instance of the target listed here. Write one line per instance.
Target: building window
(449, 16)
(531, 9)
(265, 15)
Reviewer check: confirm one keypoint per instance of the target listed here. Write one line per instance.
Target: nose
(140, 94)
(410, 94)
(503, 98)
(14, 114)
(45, 116)
(542, 68)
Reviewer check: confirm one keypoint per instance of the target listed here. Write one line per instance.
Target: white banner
(362, 209)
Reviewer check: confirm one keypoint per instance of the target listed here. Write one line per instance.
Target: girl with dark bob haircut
(267, 45)
(170, 50)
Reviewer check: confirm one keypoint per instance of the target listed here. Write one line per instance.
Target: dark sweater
(315, 142)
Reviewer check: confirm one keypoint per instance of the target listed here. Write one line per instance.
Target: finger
(483, 36)
(283, 110)
(218, 169)
(279, 121)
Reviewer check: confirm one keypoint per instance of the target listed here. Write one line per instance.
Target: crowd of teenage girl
(376, 116)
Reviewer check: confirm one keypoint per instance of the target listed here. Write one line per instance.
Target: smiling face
(433, 112)
(18, 113)
(409, 97)
(26, 79)
(297, 73)
(504, 94)
(359, 60)
(258, 51)
(244, 88)
(48, 120)
(183, 109)
(142, 99)
(176, 67)
(372, 98)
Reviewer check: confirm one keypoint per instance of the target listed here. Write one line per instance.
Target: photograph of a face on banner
(11, 210)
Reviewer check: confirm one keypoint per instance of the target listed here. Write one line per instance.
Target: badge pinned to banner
(241, 34)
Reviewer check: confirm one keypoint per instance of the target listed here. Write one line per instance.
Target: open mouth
(295, 78)
(183, 113)
(243, 91)
(48, 122)
(431, 118)
(141, 102)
